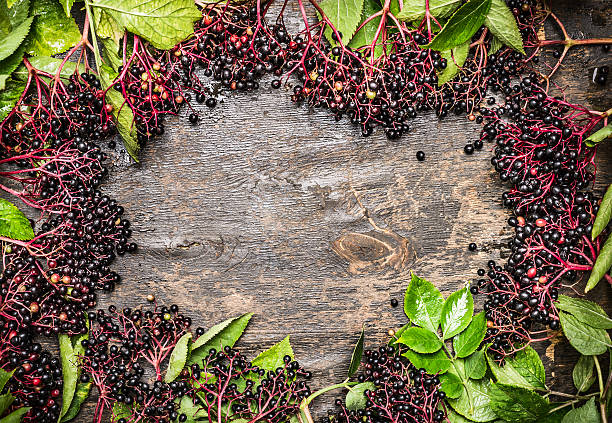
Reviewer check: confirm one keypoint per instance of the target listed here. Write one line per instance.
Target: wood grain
(276, 209)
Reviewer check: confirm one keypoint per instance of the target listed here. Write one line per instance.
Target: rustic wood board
(241, 213)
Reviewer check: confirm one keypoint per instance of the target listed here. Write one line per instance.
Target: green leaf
(585, 311)
(599, 136)
(357, 354)
(414, 10)
(210, 333)
(164, 23)
(4, 377)
(420, 340)
(122, 112)
(9, 97)
(517, 404)
(423, 303)
(586, 339)
(67, 5)
(227, 335)
(273, 358)
(14, 39)
(52, 32)
(495, 46)
(111, 57)
(525, 369)
(601, 266)
(398, 334)
(344, 15)
(455, 58)
(178, 358)
(457, 312)
(501, 22)
(434, 363)
(604, 214)
(18, 12)
(121, 411)
(48, 65)
(474, 403)
(8, 65)
(461, 26)
(583, 373)
(15, 416)
(70, 371)
(470, 339)
(453, 417)
(107, 27)
(190, 409)
(365, 36)
(355, 398)
(586, 414)
(5, 402)
(80, 395)
(476, 365)
(13, 223)
(451, 385)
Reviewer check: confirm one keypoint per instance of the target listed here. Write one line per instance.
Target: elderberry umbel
(403, 394)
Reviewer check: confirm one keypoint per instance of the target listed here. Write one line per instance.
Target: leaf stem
(94, 40)
(304, 415)
(599, 377)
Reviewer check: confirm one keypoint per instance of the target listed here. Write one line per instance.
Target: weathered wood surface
(247, 211)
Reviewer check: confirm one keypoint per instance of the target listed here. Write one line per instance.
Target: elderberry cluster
(539, 150)
(226, 380)
(51, 158)
(402, 394)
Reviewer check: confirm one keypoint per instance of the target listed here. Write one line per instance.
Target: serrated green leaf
(15, 416)
(474, 403)
(453, 417)
(414, 10)
(178, 357)
(49, 65)
(355, 398)
(585, 311)
(586, 414)
(501, 22)
(344, 15)
(455, 59)
(601, 266)
(111, 57)
(524, 369)
(517, 404)
(52, 31)
(121, 411)
(434, 363)
(4, 377)
(604, 214)
(470, 339)
(67, 5)
(8, 65)
(107, 27)
(273, 358)
(461, 26)
(13, 223)
(420, 340)
(599, 136)
(495, 46)
(5, 21)
(18, 12)
(14, 39)
(187, 407)
(5, 402)
(9, 97)
(122, 112)
(226, 336)
(457, 312)
(164, 23)
(70, 370)
(423, 303)
(586, 339)
(476, 365)
(451, 385)
(365, 36)
(357, 354)
(583, 373)
(80, 395)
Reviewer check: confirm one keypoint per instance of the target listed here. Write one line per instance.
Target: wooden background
(248, 210)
